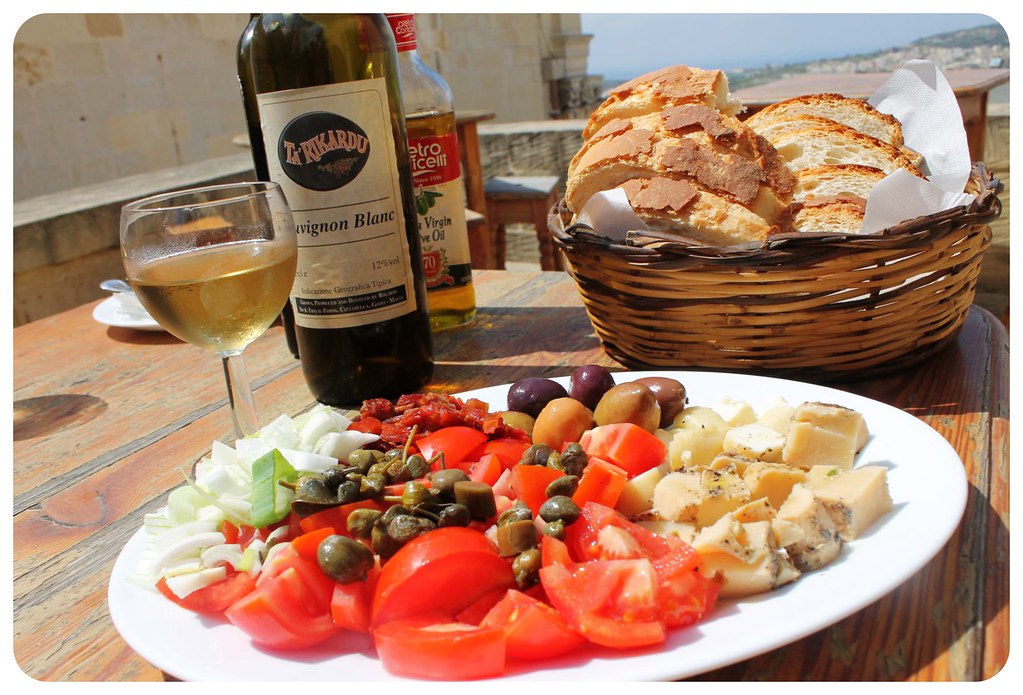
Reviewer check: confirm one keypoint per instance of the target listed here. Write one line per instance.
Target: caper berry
(349, 491)
(383, 544)
(405, 527)
(516, 537)
(526, 568)
(555, 529)
(477, 497)
(372, 484)
(517, 512)
(573, 459)
(565, 486)
(363, 459)
(443, 482)
(536, 455)
(454, 515)
(334, 476)
(417, 466)
(360, 522)
(393, 511)
(344, 559)
(559, 508)
(415, 493)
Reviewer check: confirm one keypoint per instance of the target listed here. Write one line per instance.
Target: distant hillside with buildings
(980, 47)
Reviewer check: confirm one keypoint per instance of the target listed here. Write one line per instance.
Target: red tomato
(529, 484)
(508, 450)
(626, 445)
(609, 602)
(601, 482)
(215, 598)
(351, 603)
(486, 470)
(308, 544)
(475, 612)
(280, 613)
(337, 517)
(455, 442)
(432, 646)
(532, 629)
(554, 552)
(443, 571)
(318, 586)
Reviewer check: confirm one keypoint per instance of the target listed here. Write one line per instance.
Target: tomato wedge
(351, 604)
(433, 646)
(215, 598)
(455, 442)
(443, 571)
(628, 446)
(601, 482)
(532, 629)
(486, 470)
(529, 484)
(508, 450)
(280, 613)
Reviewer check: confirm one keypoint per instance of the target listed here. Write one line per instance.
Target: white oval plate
(927, 483)
(111, 312)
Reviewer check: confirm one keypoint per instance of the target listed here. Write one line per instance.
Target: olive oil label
(331, 148)
(440, 205)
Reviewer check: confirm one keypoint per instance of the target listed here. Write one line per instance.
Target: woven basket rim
(806, 247)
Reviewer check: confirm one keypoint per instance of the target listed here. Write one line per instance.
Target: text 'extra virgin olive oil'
(326, 121)
(437, 177)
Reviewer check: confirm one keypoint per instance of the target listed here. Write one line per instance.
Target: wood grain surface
(104, 418)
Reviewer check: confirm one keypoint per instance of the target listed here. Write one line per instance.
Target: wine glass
(214, 266)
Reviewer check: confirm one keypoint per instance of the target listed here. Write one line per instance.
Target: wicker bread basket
(816, 306)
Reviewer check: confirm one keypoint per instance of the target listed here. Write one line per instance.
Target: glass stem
(243, 407)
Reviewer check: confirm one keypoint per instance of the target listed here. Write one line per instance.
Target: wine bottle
(323, 102)
(437, 177)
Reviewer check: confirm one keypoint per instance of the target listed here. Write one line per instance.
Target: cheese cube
(818, 475)
(744, 556)
(730, 462)
(698, 434)
(638, 494)
(699, 497)
(772, 480)
(821, 542)
(845, 421)
(736, 413)
(755, 441)
(808, 445)
(757, 510)
(856, 499)
(670, 529)
(778, 416)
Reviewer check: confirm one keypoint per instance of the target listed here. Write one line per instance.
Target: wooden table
(971, 87)
(102, 416)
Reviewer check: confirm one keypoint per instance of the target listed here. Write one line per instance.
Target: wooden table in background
(971, 87)
(104, 416)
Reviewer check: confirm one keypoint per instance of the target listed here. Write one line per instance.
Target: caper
(392, 455)
(526, 568)
(393, 511)
(536, 455)
(573, 459)
(363, 459)
(405, 527)
(565, 486)
(415, 493)
(349, 491)
(334, 476)
(372, 484)
(417, 466)
(477, 497)
(559, 508)
(379, 468)
(311, 496)
(360, 522)
(453, 515)
(517, 512)
(344, 559)
(555, 529)
(383, 544)
(443, 482)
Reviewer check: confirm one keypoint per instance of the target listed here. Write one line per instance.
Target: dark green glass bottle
(323, 102)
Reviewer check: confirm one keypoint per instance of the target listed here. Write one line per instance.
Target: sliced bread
(829, 215)
(837, 144)
(836, 179)
(854, 113)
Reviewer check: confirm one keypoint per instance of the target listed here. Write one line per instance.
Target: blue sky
(626, 45)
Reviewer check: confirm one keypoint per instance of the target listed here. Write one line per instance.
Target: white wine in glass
(214, 266)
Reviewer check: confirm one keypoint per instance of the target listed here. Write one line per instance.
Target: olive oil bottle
(326, 121)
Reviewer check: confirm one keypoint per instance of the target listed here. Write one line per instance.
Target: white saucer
(115, 311)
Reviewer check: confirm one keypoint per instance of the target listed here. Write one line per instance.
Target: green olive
(519, 420)
(344, 559)
(629, 402)
(562, 420)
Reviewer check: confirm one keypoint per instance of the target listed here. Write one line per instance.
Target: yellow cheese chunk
(698, 497)
(855, 499)
(736, 413)
(726, 461)
(744, 556)
(807, 445)
(697, 436)
(755, 441)
(821, 542)
(638, 494)
(818, 475)
(759, 509)
(839, 419)
(772, 480)
(778, 416)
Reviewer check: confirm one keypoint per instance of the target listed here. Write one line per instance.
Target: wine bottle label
(440, 204)
(331, 149)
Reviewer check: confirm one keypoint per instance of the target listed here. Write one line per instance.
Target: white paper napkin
(919, 95)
